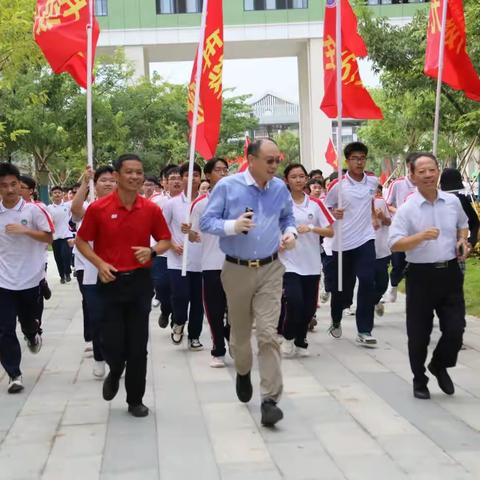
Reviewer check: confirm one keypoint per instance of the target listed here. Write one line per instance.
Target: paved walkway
(349, 413)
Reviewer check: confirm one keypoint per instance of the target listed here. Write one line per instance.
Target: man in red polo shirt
(120, 226)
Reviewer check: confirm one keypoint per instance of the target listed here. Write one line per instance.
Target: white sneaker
(366, 340)
(217, 362)
(195, 345)
(350, 311)
(288, 348)
(380, 309)
(177, 334)
(335, 330)
(15, 385)
(324, 297)
(155, 303)
(98, 369)
(302, 352)
(392, 295)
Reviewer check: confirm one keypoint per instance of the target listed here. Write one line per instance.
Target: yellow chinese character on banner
(453, 38)
(329, 46)
(435, 25)
(52, 13)
(213, 42)
(215, 78)
(191, 103)
(350, 69)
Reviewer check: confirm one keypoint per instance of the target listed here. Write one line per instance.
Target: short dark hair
(151, 178)
(315, 181)
(9, 169)
(101, 171)
(117, 164)
(164, 171)
(173, 171)
(56, 187)
(422, 154)
(185, 166)
(291, 166)
(28, 181)
(412, 156)
(210, 165)
(355, 147)
(315, 172)
(256, 145)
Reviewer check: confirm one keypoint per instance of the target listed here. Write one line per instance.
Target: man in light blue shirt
(252, 214)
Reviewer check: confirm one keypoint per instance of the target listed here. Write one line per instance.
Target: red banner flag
(244, 164)
(386, 171)
(60, 30)
(210, 108)
(357, 102)
(331, 155)
(458, 70)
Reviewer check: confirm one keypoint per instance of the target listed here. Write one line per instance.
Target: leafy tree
(289, 144)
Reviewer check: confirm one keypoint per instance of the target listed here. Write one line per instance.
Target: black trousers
(300, 294)
(430, 290)
(399, 263)
(13, 304)
(95, 309)
(215, 305)
(187, 292)
(127, 304)
(381, 278)
(87, 327)
(63, 256)
(161, 283)
(328, 270)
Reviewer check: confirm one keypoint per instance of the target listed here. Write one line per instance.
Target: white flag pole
(338, 69)
(193, 139)
(441, 59)
(89, 94)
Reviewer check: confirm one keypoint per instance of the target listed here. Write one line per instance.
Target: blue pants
(24, 305)
(187, 291)
(95, 308)
(328, 270)
(381, 278)
(161, 284)
(357, 263)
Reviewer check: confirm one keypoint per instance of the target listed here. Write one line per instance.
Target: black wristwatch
(153, 253)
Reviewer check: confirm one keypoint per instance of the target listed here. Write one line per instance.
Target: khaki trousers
(255, 294)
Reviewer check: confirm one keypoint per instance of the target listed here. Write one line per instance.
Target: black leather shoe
(443, 378)
(421, 392)
(271, 414)
(110, 387)
(244, 387)
(163, 320)
(45, 290)
(139, 410)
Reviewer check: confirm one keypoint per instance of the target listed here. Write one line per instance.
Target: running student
(302, 264)
(24, 231)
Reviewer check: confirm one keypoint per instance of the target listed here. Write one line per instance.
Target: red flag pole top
(211, 88)
(60, 30)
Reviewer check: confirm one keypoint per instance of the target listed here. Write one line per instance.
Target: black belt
(260, 262)
(129, 273)
(444, 264)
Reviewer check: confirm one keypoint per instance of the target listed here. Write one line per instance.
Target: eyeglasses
(354, 158)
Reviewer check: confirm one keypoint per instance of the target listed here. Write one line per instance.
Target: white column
(138, 57)
(315, 126)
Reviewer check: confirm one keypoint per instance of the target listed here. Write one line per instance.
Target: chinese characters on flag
(331, 155)
(60, 30)
(357, 102)
(210, 108)
(458, 70)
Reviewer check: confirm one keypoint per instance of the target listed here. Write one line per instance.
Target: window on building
(101, 8)
(274, 4)
(179, 6)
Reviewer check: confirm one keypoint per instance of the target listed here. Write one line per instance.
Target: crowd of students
(128, 256)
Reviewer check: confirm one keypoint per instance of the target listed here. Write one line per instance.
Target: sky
(274, 75)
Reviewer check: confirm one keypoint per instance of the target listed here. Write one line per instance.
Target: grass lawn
(471, 287)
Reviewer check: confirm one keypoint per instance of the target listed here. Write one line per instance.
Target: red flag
(386, 171)
(331, 155)
(244, 164)
(60, 30)
(357, 102)
(458, 70)
(210, 108)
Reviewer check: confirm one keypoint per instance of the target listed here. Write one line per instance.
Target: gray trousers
(254, 294)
